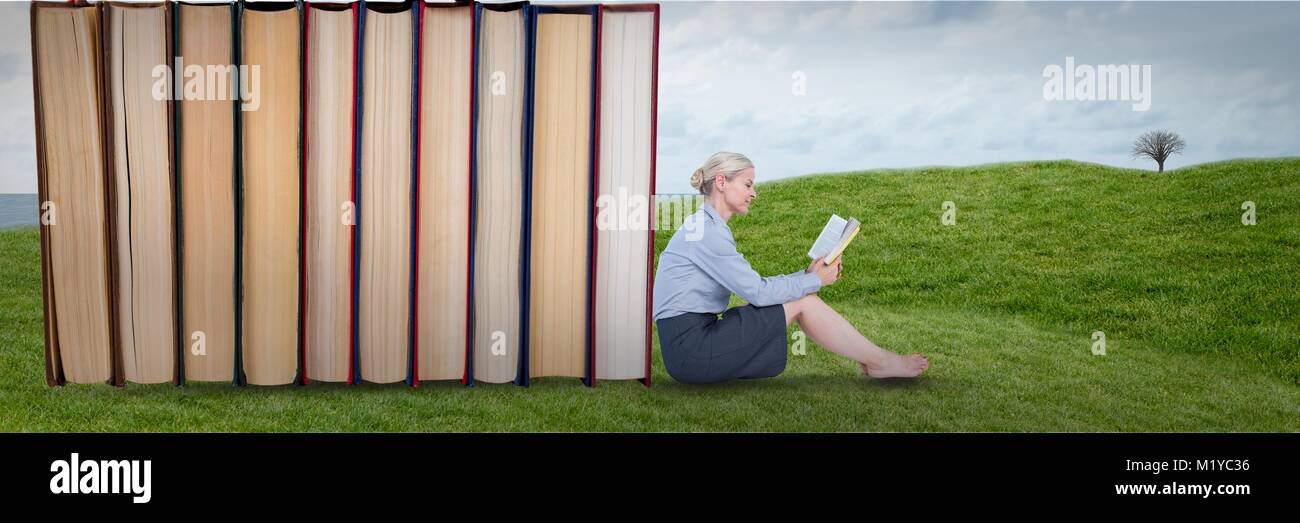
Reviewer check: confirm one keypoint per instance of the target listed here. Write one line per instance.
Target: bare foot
(898, 366)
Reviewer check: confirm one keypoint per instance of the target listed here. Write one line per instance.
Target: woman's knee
(794, 308)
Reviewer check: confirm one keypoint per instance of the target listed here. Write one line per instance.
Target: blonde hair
(724, 163)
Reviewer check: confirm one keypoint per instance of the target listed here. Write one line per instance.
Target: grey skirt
(746, 342)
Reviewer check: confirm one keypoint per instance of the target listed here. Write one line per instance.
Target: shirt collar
(708, 209)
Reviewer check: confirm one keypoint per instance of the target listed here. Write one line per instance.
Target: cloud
(896, 84)
(17, 131)
(904, 84)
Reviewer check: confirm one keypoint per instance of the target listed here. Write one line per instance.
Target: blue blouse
(700, 269)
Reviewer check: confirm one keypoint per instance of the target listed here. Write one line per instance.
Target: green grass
(1201, 315)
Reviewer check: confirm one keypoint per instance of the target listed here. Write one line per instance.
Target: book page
(443, 279)
(829, 237)
(270, 194)
(850, 231)
(137, 41)
(206, 177)
(561, 179)
(498, 205)
(622, 257)
(327, 242)
(67, 49)
(384, 280)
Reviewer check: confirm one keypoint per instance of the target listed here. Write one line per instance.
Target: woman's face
(738, 192)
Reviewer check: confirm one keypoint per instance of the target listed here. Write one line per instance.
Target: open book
(835, 237)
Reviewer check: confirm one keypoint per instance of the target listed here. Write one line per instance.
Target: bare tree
(1158, 146)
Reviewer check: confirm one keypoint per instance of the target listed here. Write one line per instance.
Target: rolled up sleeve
(717, 256)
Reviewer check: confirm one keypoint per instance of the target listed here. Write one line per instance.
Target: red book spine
(650, 265)
(352, 238)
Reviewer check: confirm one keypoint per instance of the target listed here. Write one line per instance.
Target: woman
(700, 269)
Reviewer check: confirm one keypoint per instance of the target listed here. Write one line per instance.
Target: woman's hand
(828, 273)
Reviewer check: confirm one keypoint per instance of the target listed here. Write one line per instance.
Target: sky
(809, 87)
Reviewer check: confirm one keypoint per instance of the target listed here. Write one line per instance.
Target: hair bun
(697, 179)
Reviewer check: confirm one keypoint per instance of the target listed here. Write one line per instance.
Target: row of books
(352, 193)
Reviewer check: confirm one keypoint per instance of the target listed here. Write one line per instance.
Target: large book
(561, 191)
(443, 211)
(206, 163)
(629, 43)
(270, 50)
(137, 41)
(497, 185)
(328, 201)
(386, 207)
(834, 238)
(74, 191)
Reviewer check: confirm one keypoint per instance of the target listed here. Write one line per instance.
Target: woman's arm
(715, 253)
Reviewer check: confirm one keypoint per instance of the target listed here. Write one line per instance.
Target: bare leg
(830, 330)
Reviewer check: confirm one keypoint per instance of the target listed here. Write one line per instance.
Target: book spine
(236, 58)
(173, 148)
(302, 378)
(467, 375)
(593, 194)
(530, 20)
(413, 360)
(358, 34)
(117, 377)
(654, 133)
(468, 379)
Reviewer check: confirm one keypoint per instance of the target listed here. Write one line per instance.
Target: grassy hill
(1201, 316)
